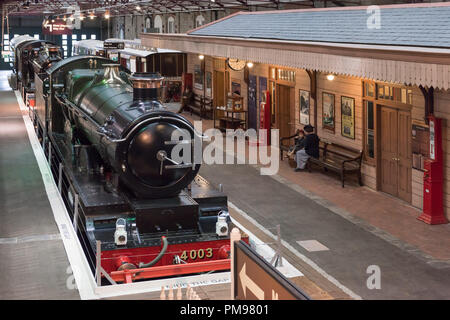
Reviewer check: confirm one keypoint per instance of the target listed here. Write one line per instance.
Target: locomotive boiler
(109, 141)
(30, 57)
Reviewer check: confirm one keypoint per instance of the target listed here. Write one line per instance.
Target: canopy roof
(412, 47)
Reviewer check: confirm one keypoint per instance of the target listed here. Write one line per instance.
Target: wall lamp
(201, 57)
(330, 77)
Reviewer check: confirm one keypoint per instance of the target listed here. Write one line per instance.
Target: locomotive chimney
(146, 86)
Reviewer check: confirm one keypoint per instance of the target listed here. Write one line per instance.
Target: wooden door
(284, 110)
(219, 88)
(395, 149)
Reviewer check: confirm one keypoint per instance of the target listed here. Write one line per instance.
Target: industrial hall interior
(225, 150)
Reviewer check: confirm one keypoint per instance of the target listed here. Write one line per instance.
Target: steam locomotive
(109, 142)
(30, 56)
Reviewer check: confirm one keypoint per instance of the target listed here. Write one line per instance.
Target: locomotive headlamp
(222, 225)
(120, 236)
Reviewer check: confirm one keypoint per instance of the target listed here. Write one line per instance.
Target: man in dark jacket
(311, 148)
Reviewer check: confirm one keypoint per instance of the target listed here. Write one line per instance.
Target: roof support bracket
(313, 88)
(428, 94)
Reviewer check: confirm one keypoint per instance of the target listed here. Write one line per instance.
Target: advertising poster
(348, 117)
(304, 107)
(328, 110)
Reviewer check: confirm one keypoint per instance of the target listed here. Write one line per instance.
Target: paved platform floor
(33, 261)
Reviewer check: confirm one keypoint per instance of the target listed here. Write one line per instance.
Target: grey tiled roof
(404, 26)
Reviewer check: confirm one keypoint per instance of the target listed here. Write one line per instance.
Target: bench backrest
(338, 151)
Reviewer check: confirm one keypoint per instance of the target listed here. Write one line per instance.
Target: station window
(64, 42)
(6, 59)
(6, 47)
(36, 36)
(370, 129)
(74, 37)
(83, 37)
(6, 42)
(6, 37)
(64, 36)
(93, 36)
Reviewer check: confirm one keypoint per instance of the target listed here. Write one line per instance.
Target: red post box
(433, 180)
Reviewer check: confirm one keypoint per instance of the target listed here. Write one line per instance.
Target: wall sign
(304, 106)
(348, 117)
(55, 27)
(256, 279)
(198, 77)
(328, 110)
(208, 84)
(113, 45)
(236, 87)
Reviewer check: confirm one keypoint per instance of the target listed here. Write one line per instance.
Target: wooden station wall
(350, 87)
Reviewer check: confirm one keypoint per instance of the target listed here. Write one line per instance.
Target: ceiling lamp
(107, 15)
(330, 77)
(92, 16)
(138, 8)
(64, 18)
(82, 17)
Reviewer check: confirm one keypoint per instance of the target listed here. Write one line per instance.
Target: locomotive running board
(129, 276)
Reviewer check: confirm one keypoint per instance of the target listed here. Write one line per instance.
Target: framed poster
(328, 111)
(236, 87)
(208, 84)
(348, 117)
(304, 106)
(198, 77)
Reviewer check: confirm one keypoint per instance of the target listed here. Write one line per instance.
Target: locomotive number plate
(197, 254)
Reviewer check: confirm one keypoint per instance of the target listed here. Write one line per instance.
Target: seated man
(310, 149)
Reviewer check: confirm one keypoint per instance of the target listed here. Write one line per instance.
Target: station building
(371, 81)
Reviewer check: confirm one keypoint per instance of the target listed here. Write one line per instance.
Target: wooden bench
(340, 159)
(196, 104)
(208, 108)
(201, 106)
(284, 147)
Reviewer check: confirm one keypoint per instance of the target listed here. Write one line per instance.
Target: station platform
(347, 230)
(33, 261)
(352, 228)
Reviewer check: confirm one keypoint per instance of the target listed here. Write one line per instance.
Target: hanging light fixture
(107, 15)
(92, 16)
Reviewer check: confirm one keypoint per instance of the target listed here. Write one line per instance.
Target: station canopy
(411, 44)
